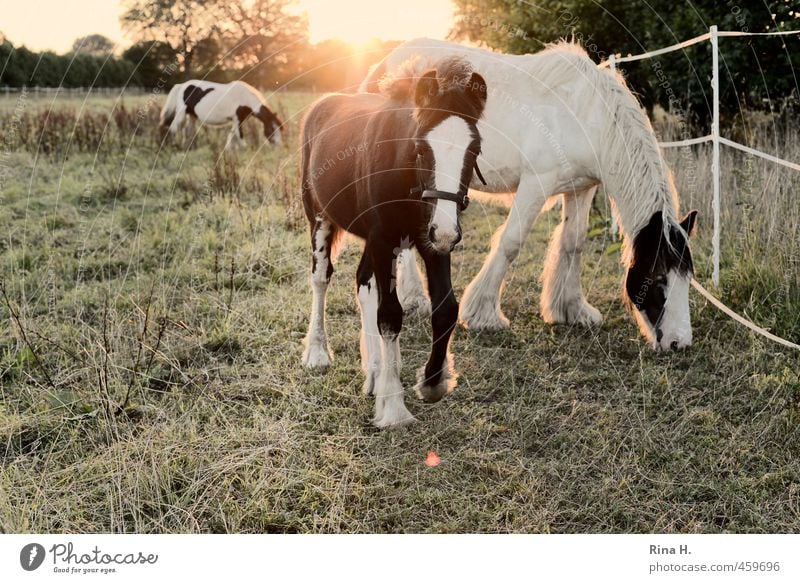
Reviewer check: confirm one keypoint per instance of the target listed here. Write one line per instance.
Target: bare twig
(142, 338)
(28, 344)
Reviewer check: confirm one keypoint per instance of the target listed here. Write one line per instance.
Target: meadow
(154, 299)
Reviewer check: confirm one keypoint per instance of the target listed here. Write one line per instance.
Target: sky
(55, 24)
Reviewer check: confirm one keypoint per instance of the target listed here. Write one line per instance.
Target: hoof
(483, 315)
(446, 385)
(317, 356)
(581, 313)
(393, 414)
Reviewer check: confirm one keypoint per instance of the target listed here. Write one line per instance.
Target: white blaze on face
(676, 325)
(449, 142)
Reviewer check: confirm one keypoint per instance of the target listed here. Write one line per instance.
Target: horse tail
(168, 111)
(307, 195)
(370, 82)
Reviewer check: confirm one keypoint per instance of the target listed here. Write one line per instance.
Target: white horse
(218, 104)
(555, 123)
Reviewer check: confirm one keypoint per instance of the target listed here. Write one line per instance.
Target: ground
(155, 300)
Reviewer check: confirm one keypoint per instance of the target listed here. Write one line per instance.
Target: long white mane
(628, 151)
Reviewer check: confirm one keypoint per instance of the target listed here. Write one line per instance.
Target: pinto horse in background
(556, 124)
(217, 104)
(392, 169)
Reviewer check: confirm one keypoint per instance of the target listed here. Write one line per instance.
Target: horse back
(343, 149)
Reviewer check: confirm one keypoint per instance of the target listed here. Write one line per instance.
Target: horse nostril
(674, 345)
(432, 234)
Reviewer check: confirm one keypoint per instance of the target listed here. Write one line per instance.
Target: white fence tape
(759, 153)
(690, 142)
(743, 321)
(665, 50)
(690, 42)
(776, 33)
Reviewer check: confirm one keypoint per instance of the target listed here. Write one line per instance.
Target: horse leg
(562, 298)
(177, 121)
(189, 132)
(390, 409)
(237, 128)
(437, 377)
(481, 305)
(234, 137)
(367, 294)
(323, 234)
(410, 289)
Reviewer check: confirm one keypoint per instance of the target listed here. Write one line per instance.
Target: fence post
(715, 148)
(612, 64)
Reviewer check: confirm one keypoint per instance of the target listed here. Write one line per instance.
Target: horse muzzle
(443, 241)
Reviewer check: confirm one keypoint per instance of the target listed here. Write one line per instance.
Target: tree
(96, 45)
(183, 24)
(678, 80)
(220, 39)
(155, 63)
(261, 39)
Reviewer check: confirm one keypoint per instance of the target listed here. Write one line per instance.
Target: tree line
(263, 42)
(19, 66)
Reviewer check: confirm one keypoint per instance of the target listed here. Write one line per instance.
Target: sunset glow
(353, 21)
(358, 21)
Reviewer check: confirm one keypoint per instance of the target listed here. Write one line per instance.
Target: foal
(392, 169)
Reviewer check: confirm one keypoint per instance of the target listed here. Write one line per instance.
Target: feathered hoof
(317, 356)
(393, 414)
(482, 314)
(578, 312)
(434, 393)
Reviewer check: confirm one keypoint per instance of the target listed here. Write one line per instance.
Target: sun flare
(359, 21)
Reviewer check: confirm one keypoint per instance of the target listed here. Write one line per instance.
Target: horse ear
(688, 222)
(477, 88)
(427, 89)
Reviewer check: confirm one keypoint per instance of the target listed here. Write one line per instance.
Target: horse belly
(215, 109)
(335, 190)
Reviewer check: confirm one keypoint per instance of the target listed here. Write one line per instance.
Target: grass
(155, 300)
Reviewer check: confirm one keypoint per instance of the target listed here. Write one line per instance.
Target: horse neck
(251, 100)
(633, 170)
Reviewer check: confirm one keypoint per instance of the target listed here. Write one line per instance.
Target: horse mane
(399, 86)
(626, 134)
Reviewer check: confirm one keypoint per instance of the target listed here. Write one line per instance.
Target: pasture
(155, 297)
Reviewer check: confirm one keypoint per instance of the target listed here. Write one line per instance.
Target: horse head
(448, 104)
(657, 281)
(272, 125)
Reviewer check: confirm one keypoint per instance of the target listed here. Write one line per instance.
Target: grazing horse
(392, 169)
(218, 104)
(556, 124)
